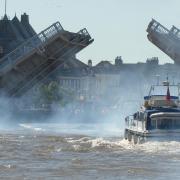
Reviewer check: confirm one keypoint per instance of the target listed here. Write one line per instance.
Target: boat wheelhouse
(158, 118)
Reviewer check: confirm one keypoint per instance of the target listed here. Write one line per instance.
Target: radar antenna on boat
(166, 83)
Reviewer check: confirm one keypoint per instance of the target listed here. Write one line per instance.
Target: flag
(168, 96)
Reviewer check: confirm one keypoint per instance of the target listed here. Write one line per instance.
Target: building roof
(20, 28)
(104, 64)
(13, 32)
(72, 68)
(27, 25)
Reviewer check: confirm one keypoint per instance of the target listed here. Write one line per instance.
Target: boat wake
(120, 144)
(76, 139)
(166, 147)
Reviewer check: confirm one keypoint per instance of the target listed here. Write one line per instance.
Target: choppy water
(79, 151)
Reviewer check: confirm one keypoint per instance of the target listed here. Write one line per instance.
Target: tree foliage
(53, 93)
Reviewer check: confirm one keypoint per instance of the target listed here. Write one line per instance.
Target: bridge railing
(28, 46)
(175, 31)
(84, 32)
(157, 27)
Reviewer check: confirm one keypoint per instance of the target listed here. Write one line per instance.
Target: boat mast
(157, 76)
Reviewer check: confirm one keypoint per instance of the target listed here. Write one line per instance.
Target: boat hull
(154, 135)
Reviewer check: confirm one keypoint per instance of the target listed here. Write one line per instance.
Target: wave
(30, 127)
(82, 137)
(120, 144)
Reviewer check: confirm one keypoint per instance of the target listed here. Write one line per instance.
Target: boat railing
(135, 124)
(129, 120)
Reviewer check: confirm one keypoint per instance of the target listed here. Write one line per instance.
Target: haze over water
(82, 151)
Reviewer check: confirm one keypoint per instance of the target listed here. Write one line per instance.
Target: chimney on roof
(90, 63)
(152, 61)
(24, 19)
(118, 61)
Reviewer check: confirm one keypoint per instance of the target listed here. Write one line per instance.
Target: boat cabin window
(141, 116)
(165, 124)
(138, 116)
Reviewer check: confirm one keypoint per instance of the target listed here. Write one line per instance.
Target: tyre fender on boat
(135, 139)
(129, 136)
(126, 134)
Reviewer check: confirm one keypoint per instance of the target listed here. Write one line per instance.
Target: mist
(119, 95)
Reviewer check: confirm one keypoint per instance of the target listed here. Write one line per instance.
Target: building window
(1, 50)
(64, 83)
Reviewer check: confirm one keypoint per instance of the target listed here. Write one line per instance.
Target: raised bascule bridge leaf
(166, 40)
(38, 57)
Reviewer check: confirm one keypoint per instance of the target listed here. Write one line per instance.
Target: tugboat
(158, 119)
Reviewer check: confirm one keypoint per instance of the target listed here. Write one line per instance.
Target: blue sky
(118, 26)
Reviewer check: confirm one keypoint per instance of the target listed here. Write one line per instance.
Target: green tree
(52, 93)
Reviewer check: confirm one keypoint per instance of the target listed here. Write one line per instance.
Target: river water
(82, 151)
